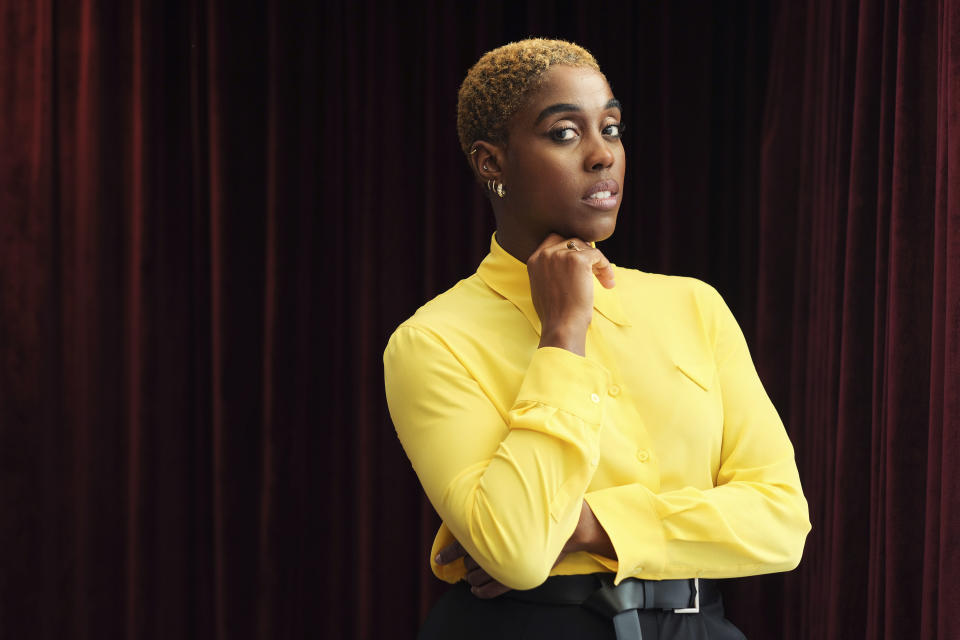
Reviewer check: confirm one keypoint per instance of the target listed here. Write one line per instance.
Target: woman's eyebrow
(556, 108)
(613, 103)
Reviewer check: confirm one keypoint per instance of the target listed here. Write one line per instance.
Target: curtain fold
(213, 214)
(941, 542)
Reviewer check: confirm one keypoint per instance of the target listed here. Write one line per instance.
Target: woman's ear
(486, 159)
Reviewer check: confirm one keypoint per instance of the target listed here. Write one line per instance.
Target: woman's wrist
(572, 340)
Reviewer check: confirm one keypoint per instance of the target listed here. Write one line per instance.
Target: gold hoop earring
(500, 191)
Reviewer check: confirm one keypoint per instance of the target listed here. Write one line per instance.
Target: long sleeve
(754, 520)
(508, 483)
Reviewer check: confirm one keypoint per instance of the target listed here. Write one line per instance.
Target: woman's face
(564, 162)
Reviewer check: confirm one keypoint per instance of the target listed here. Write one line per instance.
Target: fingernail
(438, 559)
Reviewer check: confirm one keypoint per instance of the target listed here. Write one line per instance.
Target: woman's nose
(599, 156)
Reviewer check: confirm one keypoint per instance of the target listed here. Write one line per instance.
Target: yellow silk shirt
(663, 428)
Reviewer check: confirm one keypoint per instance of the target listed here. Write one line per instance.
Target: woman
(595, 439)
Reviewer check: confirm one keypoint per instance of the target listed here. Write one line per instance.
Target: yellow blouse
(664, 428)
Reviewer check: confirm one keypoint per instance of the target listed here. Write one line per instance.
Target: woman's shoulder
(465, 307)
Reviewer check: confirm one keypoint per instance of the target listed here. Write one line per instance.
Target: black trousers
(459, 615)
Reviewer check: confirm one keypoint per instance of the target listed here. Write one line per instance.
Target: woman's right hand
(561, 285)
(481, 583)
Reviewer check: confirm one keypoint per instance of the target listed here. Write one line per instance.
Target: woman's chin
(597, 232)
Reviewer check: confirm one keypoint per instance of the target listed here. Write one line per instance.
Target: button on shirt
(663, 428)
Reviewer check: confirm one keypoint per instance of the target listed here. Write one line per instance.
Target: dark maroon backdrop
(212, 214)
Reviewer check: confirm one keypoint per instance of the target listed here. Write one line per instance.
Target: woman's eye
(564, 134)
(614, 130)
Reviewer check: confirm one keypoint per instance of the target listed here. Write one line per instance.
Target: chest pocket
(700, 372)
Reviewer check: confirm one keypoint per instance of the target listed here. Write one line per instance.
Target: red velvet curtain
(858, 309)
(213, 214)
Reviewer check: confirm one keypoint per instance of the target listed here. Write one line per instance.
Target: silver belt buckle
(696, 600)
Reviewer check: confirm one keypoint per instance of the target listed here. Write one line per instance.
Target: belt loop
(695, 585)
(649, 594)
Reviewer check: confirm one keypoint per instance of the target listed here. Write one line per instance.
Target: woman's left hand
(481, 584)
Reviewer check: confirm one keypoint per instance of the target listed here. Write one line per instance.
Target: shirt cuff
(570, 383)
(630, 519)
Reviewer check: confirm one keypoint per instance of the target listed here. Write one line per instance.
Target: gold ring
(572, 245)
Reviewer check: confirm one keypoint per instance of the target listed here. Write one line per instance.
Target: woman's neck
(517, 243)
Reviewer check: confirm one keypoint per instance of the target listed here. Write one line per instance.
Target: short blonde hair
(497, 84)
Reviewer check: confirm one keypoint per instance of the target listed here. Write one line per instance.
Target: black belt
(597, 593)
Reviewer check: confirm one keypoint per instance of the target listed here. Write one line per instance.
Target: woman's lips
(602, 195)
